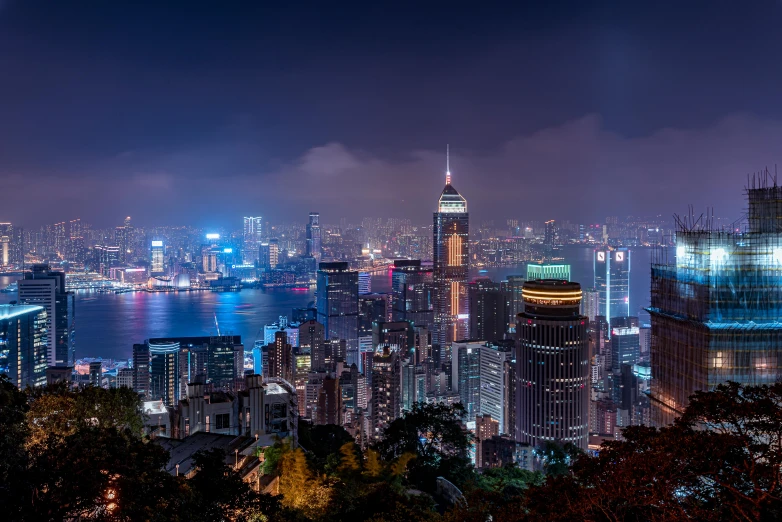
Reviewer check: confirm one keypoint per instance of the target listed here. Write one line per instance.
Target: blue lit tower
(164, 370)
(337, 302)
(450, 246)
(716, 309)
(612, 282)
(23, 344)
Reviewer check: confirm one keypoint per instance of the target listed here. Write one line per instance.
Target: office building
(715, 310)
(164, 371)
(612, 282)
(252, 236)
(123, 240)
(549, 240)
(386, 388)
(23, 344)
(329, 402)
(547, 271)
(399, 336)
(141, 375)
(492, 393)
(337, 303)
(269, 254)
(450, 244)
(96, 373)
(412, 293)
(485, 429)
(280, 357)
(314, 237)
(312, 339)
(44, 287)
(552, 365)
(364, 282)
(590, 303)
(465, 374)
(625, 342)
(513, 286)
(489, 310)
(6, 236)
(124, 378)
(157, 266)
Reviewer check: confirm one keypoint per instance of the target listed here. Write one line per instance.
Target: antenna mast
(447, 164)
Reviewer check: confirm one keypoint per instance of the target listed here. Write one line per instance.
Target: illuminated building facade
(412, 288)
(552, 365)
(313, 237)
(164, 374)
(157, 259)
(386, 390)
(6, 233)
(451, 261)
(337, 303)
(715, 311)
(251, 239)
(612, 282)
(23, 344)
(547, 271)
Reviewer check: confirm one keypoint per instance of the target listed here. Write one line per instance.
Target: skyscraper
(552, 365)
(493, 385)
(513, 286)
(157, 258)
(386, 391)
(465, 374)
(715, 310)
(612, 282)
(164, 373)
(6, 236)
(252, 236)
(23, 344)
(280, 357)
(450, 244)
(549, 240)
(123, 238)
(313, 236)
(337, 302)
(312, 338)
(488, 305)
(45, 287)
(412, 288)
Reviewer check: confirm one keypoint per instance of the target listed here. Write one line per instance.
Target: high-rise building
(23, 344)
(123, 239)
(337, 303)
(485, 429)
(44, 287)
(157, 258)
(386, 391)
(329, 402)
(549, 240)
(141, 375)
(625, 342)
(552, 365)
(492, 358)
(280, 357)
(312, 338)
(124, 378)
(313, 237)
(450, 244)
(6, 236)
(488, 306)
(399, 336)
(513, 286)
(269, 254)
(612, 281)
(364, 282)
(164, 371)
(590, 303)
(465, 374)
(252, 237)
(715, 310)
(412, 288)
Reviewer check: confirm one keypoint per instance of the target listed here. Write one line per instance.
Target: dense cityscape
(534, 367)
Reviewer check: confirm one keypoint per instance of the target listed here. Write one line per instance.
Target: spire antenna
(447, 164)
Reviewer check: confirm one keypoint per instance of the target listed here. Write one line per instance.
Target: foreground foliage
(79, 454)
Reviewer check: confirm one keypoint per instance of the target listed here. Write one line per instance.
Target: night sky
(201, 113)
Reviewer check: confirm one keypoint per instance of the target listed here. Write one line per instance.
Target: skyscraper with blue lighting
(612, 281)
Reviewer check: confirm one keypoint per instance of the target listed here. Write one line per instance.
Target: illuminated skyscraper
(716, 309)
(412, 292)
(6, 234)
(253, 234)
(612, 282)
(337, 303)
(269, 254)
(23, 344)
(552, 365)
(123, 237)
(164, 374)
(451, 261)
(157, 257)
(313, 236)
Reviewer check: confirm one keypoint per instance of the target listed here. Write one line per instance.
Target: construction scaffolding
(716, 309)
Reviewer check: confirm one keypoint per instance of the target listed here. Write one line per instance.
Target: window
(222, 421)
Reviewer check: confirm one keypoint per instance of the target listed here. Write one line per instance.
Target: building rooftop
(10, 311)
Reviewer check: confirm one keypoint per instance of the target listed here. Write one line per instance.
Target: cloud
(578, 171)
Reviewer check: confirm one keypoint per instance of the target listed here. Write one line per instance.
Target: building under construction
(716, 310)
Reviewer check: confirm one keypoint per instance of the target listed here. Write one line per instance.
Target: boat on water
(13, 287)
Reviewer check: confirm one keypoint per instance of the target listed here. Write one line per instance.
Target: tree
(435, 435)
(720, 461)
(558, 457)
(13, 434)
(349, 463)
(373, 467)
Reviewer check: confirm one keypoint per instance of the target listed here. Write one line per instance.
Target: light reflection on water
(107, 325)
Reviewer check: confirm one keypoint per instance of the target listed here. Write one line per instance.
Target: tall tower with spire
(451, 261)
